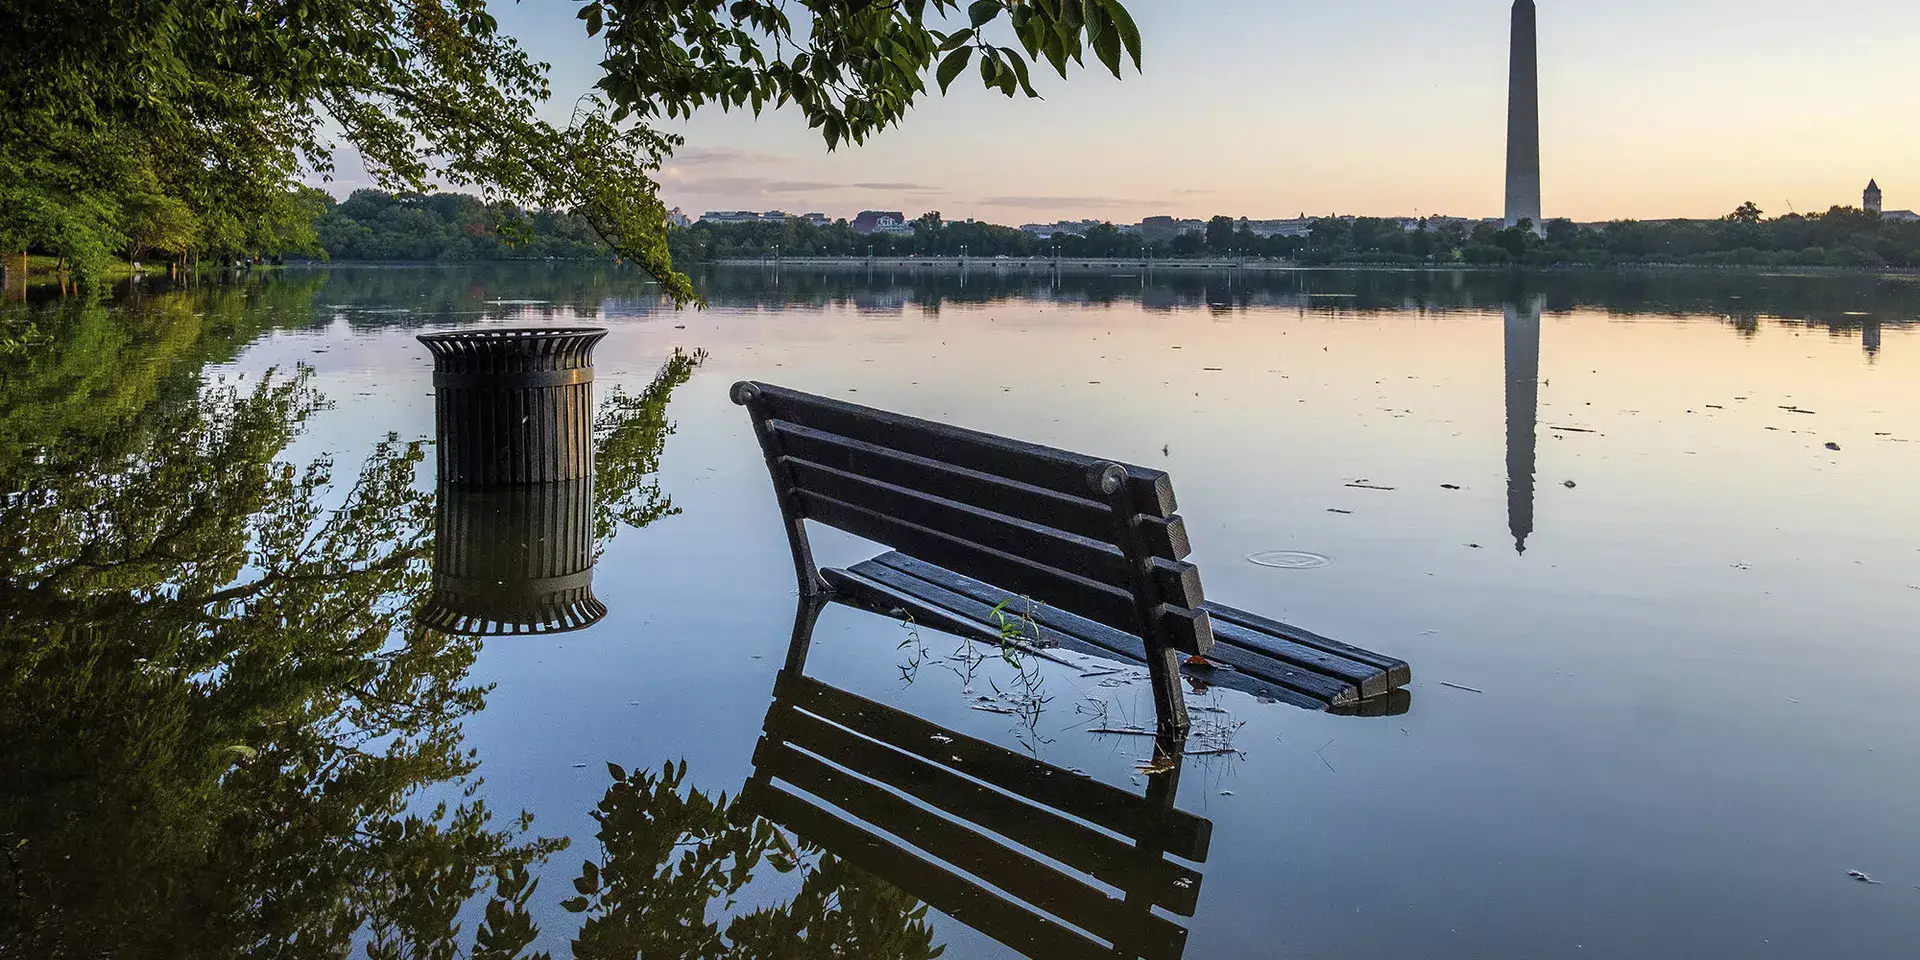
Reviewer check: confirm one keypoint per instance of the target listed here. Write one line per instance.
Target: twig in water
(1124, 731)
(1218, 752)
(1459, 687)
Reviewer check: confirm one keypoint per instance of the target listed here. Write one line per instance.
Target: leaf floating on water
(1863, 878)
(1449, 486)
(1832, 446)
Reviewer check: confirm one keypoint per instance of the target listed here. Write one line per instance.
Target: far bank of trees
(449, 227)
(1841, 237)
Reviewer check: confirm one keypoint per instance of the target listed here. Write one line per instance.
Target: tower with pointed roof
(1871, 199)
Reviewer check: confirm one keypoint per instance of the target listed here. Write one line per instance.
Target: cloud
(717, 156)
(749, 185)
(900, 187)
(1055, 201)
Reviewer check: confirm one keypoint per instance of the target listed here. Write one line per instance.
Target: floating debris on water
(1457, 686)
(1863, 878)
(1570, 484)
(1832, 446)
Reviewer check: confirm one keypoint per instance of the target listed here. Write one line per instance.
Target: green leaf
(951, 67)
(1124, 25)
(954, 40)
(589, 879)
(574, 904)
(1020, 73)
(1107, 48)
(616, 770)
(983, 11)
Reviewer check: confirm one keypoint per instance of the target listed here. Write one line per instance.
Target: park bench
(1078, 552)
(1041, 840)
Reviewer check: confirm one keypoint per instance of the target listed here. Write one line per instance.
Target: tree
(1219, 235)
(1747, 212)
(223, 103)
(217, 710)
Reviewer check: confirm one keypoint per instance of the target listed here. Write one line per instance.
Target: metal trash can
(513, 559)
(513, 405)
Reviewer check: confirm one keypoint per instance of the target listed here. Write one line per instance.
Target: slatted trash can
(513, 423)
(513, 405)
(513, 559)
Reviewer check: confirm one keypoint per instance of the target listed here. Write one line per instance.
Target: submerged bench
(1043, 841)
(1088, 552)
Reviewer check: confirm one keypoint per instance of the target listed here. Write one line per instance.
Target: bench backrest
(1089, 536)
(998, 805)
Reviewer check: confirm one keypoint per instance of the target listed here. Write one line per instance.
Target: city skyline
(1387, 108)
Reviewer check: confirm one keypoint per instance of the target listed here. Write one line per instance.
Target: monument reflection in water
(514, 541)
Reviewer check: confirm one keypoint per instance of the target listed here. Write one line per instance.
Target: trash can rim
(509, 333)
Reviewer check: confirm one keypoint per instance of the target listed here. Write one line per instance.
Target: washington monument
(1523, 121)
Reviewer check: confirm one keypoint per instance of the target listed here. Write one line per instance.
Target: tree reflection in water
(222, 731)
(668, 853)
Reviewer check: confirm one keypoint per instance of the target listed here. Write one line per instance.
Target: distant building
(1871, 201)
(1156, 229)
(817, 219)
(730, 216)
(1297, 227)
(677, 219)
(1078, 228)
(893, 222)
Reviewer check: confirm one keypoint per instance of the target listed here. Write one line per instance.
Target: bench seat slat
(1368, 680)
(1035, 827)
(942, 889)
(970, 851)
(1177, 582)
(1328, 680)
(1398, 672)
(1128, 814)
(1185, 629)
(1054, 469)
(888, 590)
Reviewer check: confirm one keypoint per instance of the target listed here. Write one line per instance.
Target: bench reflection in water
(1020, 850)
(1050, 862)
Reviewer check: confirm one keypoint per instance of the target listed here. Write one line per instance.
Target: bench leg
(1169, 701)
(805, 616)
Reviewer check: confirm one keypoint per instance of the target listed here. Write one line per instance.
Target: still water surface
(1650, 544)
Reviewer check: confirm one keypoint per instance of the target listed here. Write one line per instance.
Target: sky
(1274, 108)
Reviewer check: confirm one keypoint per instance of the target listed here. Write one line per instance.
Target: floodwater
(1651, 544)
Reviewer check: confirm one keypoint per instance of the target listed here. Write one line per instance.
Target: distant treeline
(449, 227)
(374, 225)
(1841, 237)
